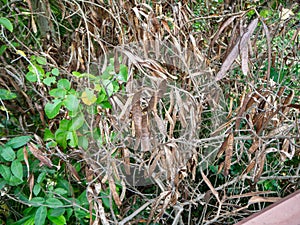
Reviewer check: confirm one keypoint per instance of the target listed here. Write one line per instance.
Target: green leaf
(116, 86)
(41, 177)
(36, 68)
(40, 215)
(5, 172)
(48, 136)
(69, 213)
(17, 169)
(61, 137)
(83, 199)
(105, 199)
(55, 71)
(14, 181)
(51, 144)
(60, 220)
(64, 84)
(101, 97)
(83, 142)
(64, 124)
(61, 183)
(72, 103)
(20, 155)
(6, 95)
(23, 220)
(2, 183)
(123, 75)
(2, 49)
(73, 139)
(41, 60)
(31, 76)
(52, 109)
(36, 189)
(6, 23)
(30, 221)
(76, 123)
(60, 191)
(76, 74)
(58, 93)
(49, 80)
(8, 153)
(53, 203)
(106, 105)
(37, 201)
(56, 212)
(18, 142)
(108, 86)
(264, 13)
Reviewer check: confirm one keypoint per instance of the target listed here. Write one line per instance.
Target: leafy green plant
(49, 198)
(6, 23)
(80, 103)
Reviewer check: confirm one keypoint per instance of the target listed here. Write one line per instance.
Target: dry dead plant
(174, 131)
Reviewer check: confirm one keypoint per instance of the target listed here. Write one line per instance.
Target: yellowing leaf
(88, 97)
(286, 13)
(20, 52)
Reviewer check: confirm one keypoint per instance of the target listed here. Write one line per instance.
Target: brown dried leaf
(244, 56)
(288, 150)
(267, 32)
(254, 146)
(228, 154)
(26, 160)
(89, 174)
(250, 194)
(260, 168)
(166, 25)
(227, 63)
(73, 172)
(153, 164)
(280, 91)
(223, 126)
(126, 159)
(279, 130)
(220, 167)
(145, 137)
(31, 184)
(230, 108)
(241, 111)
(225, 144)
(166, 195)
(259, 120)
(208, 183)
(223, 26)
(112, 187)
(160, 124)
(254, 98)
(266, 119)
(116, 62)
(285, 149)
(288, 99)
(250, 166)
(137, 120)
(123, 194)
(181, 109)
(235, 50)
(258, 199)
(157, 96)
(39, 155)
(295, 106)
(192, 165)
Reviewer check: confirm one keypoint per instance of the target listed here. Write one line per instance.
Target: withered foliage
(183, 116)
